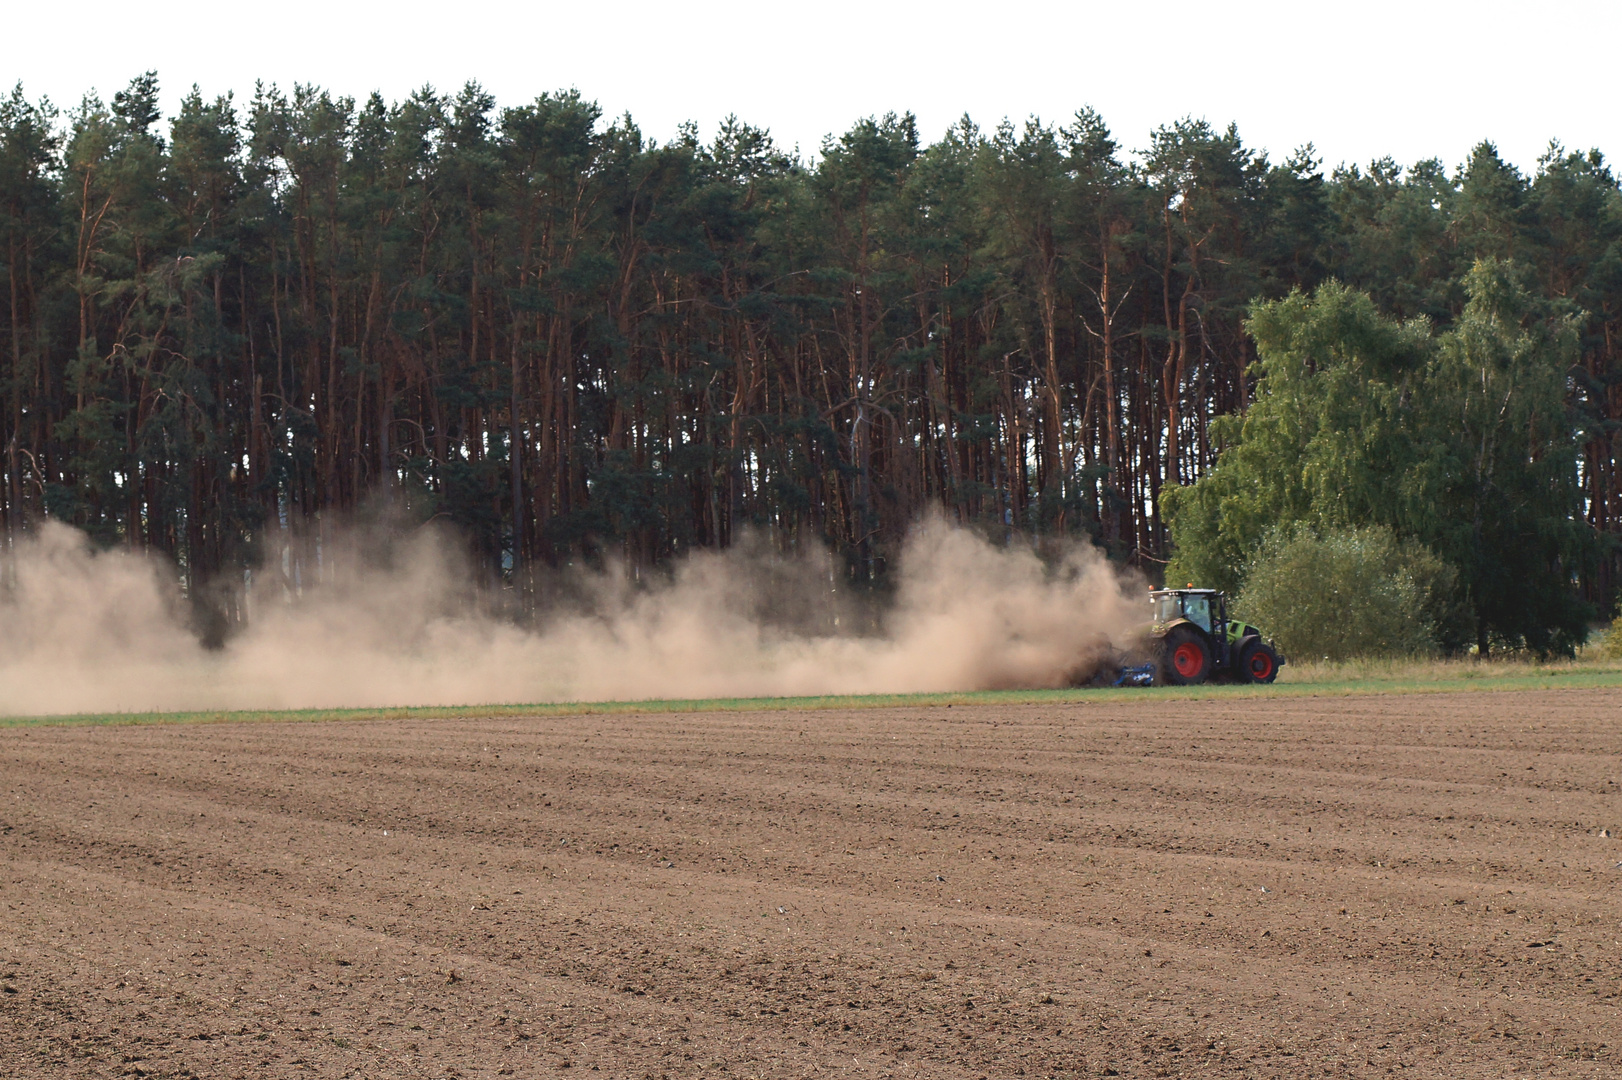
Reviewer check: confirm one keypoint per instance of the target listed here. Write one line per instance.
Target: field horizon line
(1453, 679)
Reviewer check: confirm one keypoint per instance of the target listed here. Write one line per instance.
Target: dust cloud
(89, 631)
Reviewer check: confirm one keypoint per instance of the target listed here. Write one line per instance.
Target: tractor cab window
(1198, 611)
(1168, 608)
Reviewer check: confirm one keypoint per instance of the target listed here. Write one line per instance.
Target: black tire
(1185, 658)
(1258, 662)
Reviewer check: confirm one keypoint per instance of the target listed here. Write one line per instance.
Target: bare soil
(1391, 885)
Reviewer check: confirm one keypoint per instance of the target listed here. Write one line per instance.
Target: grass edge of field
(1318, 682)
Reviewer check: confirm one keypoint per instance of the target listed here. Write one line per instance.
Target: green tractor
(1194, 641)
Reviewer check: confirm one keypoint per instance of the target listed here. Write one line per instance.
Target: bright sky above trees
(1408, 78)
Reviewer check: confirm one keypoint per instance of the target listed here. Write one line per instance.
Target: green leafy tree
(1321, 444)
(1461, 441)
(1495, 489)
(1342, 593)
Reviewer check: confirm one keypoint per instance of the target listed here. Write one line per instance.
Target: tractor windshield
(1198, 611)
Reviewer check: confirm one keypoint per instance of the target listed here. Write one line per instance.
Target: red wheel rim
(1261, 664)
(1188, 659)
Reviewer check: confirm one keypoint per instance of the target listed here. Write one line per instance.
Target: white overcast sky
(1360, 80)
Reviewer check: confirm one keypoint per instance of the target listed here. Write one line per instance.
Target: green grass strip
(1316, 681)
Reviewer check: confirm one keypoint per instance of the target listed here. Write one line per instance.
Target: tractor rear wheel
(1258, 663)
(1185, 658)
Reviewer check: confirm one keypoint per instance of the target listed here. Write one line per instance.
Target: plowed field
(1368, 886)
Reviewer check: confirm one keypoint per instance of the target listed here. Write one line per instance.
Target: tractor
(1193, 640)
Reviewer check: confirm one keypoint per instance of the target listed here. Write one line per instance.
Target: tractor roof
(1184, 592)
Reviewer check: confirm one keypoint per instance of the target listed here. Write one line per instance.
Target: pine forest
(574, 343)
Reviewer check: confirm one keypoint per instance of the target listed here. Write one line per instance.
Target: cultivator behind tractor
(1192, 641)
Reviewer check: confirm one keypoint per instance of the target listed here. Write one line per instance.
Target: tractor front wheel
(1258, 663)
(1185, 659)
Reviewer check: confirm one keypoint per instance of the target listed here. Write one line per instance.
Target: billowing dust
(89, 631)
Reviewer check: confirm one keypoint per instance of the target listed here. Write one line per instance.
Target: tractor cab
(1197, 641)
(1205, 608)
